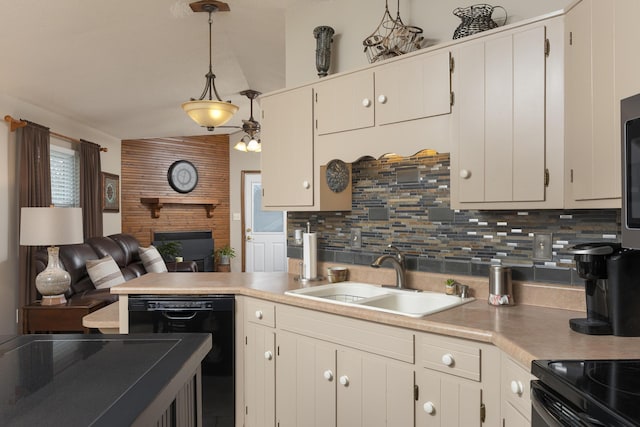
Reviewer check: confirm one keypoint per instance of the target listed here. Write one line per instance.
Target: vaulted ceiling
(125, 66)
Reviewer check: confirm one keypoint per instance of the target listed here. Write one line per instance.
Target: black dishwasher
(213, 314)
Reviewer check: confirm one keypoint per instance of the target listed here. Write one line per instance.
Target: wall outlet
(542, 247)
(356, 238)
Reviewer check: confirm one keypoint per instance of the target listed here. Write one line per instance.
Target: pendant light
(207, 111)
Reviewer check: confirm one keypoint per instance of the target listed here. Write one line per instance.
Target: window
(65, 177)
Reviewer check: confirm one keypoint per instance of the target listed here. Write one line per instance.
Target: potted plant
(169, 250)
(224, 255)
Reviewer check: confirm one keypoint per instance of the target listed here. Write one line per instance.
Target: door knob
(248, 237)
(248, 230)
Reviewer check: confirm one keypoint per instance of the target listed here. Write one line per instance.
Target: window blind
(65, 177)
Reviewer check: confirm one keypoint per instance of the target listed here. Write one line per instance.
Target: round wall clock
(182, 176)
(337, 176)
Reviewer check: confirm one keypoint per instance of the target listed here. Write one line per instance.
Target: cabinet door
(259, 375)
(512, 418)
(501, 118)
(373, 391)
(306, 390)
(413, 89)
(592, 110)
(287, 137)
(447, 401)
(344, 103)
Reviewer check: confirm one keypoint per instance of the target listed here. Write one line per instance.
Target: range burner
(621, 376)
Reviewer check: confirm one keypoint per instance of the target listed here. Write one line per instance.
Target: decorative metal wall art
(392, 38)
(324, 38)
(475, 19)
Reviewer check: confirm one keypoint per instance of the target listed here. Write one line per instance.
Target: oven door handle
(173, 317)
(538, 408)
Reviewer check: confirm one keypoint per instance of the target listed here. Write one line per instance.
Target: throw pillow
(152, 260)
(104, 272)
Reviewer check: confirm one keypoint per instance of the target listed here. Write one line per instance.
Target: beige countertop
(525, 332)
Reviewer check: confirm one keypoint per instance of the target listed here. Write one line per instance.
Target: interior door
(265, 231)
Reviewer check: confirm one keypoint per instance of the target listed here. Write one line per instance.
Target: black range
(585, 393)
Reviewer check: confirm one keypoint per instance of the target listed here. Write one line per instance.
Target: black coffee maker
(612, 289)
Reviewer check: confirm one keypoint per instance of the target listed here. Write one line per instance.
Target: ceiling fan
(250, 141)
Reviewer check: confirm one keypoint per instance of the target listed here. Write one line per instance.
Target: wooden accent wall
(145, 163)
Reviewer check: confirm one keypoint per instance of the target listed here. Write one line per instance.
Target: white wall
(8, 196)
(238, 162)
(355, 20)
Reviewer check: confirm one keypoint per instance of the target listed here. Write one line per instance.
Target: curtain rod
(15, 124)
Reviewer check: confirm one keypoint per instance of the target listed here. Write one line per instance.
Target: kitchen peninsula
(525, 331)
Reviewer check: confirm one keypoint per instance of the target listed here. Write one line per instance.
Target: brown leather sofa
(123, 248)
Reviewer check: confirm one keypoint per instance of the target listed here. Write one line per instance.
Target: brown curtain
(34, 190)
(90, 189)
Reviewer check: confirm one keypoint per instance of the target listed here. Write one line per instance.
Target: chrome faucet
(398, 262)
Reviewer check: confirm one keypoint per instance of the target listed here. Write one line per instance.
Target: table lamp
(50, 227)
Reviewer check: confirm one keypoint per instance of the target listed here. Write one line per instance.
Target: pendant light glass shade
(209, 113)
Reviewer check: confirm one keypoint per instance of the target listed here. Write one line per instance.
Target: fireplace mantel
(157, 203)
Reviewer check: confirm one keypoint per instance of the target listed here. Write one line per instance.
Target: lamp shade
(50, 226)
(209, 113)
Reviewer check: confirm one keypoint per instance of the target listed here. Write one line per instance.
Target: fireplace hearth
(196, 246)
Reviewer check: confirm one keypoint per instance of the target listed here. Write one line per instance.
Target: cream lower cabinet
(259, 363)
(335, 371)
(515, 391)
(507, 131)
(458, 382)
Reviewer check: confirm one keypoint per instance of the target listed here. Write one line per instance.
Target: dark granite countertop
(82, 380)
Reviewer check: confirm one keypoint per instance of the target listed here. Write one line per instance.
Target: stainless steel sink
(373, 297)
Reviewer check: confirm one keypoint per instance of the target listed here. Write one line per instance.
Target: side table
(37, 318)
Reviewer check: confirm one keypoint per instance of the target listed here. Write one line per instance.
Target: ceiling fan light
(253, 145)
(241, 146)
(209, 113)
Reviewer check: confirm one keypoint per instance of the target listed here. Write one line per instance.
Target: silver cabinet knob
(447, 359)
(429, 408)
(517, 388)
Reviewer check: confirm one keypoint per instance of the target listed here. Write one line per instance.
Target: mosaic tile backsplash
(404, 201)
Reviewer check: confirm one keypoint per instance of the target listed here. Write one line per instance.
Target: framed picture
(110, 192)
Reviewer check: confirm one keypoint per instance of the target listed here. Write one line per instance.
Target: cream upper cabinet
(345, 103)
(399, 107)
(500, 150)
(592, 108)
(287, 149)
(458, 382)
(335, 371)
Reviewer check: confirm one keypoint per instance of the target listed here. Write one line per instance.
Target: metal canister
(500, 287)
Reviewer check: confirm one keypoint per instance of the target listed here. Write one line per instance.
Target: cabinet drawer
(515, 386)
(448, 355)
(260, 312)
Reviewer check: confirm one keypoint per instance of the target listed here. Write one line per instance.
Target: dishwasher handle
(173, 316)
